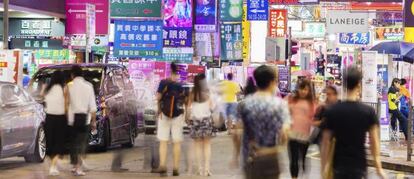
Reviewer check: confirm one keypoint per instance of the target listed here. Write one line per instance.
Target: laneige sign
(338, 21)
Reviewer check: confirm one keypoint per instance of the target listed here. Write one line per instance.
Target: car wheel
(40, 149)
(132, 136)
(150, 131)
(105, 138)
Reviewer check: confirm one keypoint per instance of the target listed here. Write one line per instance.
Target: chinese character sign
(182, 55)
(284, 2)
(135, 8)
(206, 11)
(138, 39)
(178, 13)
(354, 38)
(231, 41)
(257, 10)
(177, 37)
(246, 36)
(231, 10)
(278, 23)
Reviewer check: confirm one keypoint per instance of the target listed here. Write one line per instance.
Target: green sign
(135, 8)
(52, 54)
(231, 10)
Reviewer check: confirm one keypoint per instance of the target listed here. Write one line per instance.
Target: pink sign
(76, 16)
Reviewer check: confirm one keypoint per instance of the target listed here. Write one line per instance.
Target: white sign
(90, 25)
(8, 66)
(369, 77)
(344, 21)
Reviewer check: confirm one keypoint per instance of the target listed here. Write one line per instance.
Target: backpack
(172, 101)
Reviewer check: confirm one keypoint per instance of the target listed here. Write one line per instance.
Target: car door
(114, 104)
(17, 132)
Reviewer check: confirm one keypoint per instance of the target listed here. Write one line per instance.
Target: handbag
(262, 162)
(328, 172)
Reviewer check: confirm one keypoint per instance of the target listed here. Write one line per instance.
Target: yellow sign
(409, 34)
(246, 36)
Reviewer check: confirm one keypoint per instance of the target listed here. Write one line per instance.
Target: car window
(11, 94)
(118, 78)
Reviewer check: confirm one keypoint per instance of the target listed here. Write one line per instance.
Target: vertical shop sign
(206, 13)
(231, 10)
(246, 36)
(177, 37)
(283, 78)
(76, 15)
(354, 38)
(178, 13)
(231, 41)
(135, 8)
(138, 39)
(277, 23)
(369, 77)
(257, 10)
(90, 25)
(204, 48)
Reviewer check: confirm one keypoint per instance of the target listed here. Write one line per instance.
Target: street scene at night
(223, 89)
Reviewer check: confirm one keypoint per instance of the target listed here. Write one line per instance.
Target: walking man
(81, 115)
(343, 152)
(171, 100)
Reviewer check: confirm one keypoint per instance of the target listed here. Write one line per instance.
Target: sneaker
(53, 171)
(176, 173)
(79, 173)
(207, 173)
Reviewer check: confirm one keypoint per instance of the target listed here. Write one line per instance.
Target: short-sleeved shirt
(230, 90)
(81, 98)
(170, 85)
(263, 119)
(349, 123)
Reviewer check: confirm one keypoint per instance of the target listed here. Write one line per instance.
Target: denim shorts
(231, 111)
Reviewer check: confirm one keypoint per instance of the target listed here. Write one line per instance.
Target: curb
(402, 166)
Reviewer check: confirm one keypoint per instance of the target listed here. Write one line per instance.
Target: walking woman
(201, 123)
(302, 109)
(394, 97)
(56, 122)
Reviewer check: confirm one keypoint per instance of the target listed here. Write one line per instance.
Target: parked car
(118, 119)
(21, 125)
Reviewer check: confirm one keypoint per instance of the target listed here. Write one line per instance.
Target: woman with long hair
(56, 122)
(201, 123)
(250, 87)
(302, 105)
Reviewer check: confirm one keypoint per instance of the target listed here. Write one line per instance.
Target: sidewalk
(394, 157)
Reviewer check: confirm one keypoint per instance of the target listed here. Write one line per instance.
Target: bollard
(410, 132)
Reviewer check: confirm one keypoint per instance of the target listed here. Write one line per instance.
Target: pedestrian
(302, 106)
(405, 99)
(230, 90)
(250, 87)
(81, 116)
(265, 118)
(56, 121)
(331, 99)
(394, 97)
(201, 123)
(171, 99)
(26, 78)
(344, 134)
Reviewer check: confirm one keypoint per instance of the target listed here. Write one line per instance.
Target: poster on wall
(277, 23)
(138, 39)
(231, 41)
(231, 10)
(354, 38)
(178, 13)
(136, 8)
(177, 37)
(206, 15)
(142, 75)
(369, 77)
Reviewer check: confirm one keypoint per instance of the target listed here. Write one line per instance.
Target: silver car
(21, 125)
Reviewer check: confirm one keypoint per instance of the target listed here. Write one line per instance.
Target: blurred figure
(264, 117)
(302, 106)
(230, 90)
(171, 100)
(250, 87)
(81, 115)
(343, 152)
(201, 123)
(394, 97)
(405, 99)
(26, 78)
(331, 99)
(56, 122)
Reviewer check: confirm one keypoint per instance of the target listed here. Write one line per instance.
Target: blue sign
(354, 38)
(142, 39)
(257, 10)
(178, 36)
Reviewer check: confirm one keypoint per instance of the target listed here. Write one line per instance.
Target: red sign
(76, 16)
(194, 70)
(283, 2)
(277, 23)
